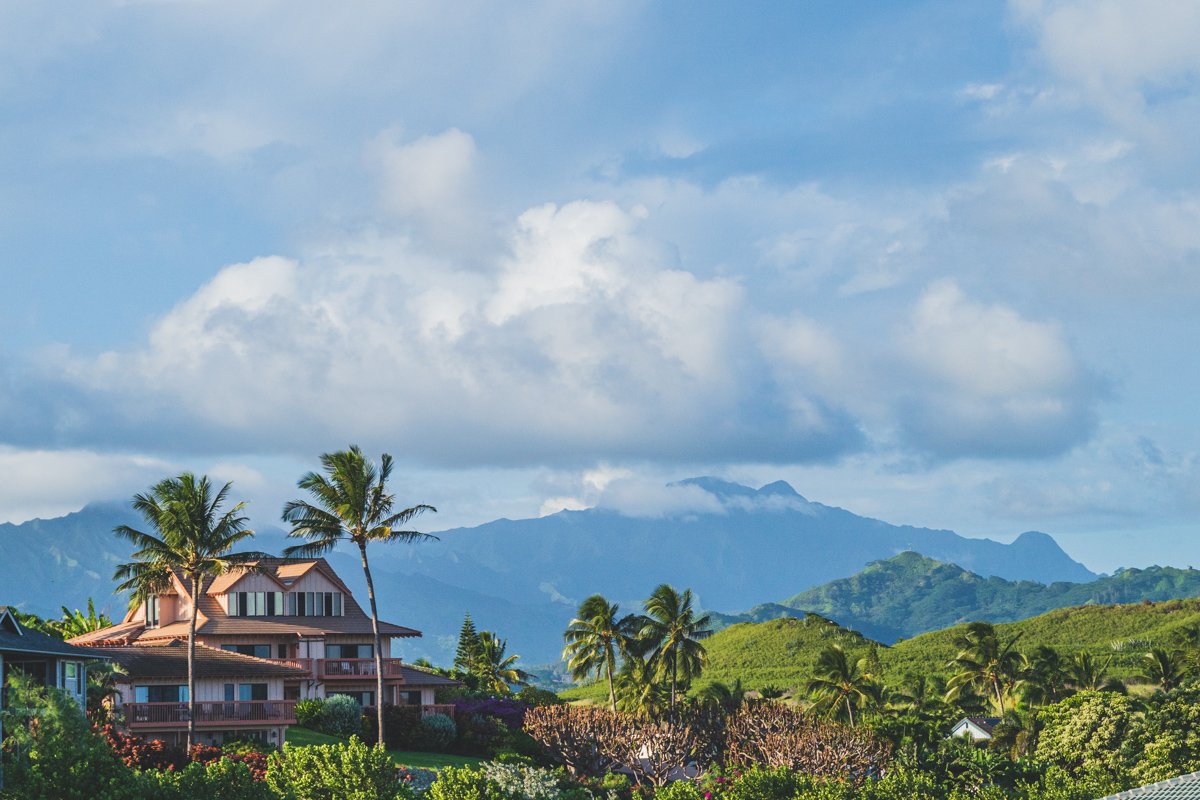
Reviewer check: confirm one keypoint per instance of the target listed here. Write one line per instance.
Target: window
(151, 612)
(256, 650)
(255, 604)
(160, 694)
(349, 651)
(314, 604)
(410, 698)
(252, 691)
(72, 677)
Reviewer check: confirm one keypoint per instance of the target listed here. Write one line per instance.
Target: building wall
(207, 689)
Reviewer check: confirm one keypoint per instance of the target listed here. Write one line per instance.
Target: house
(1184, 787)
(47, 660)
(977, 728)
(291, 626)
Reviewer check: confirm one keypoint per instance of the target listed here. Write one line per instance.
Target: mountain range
(910, 594)
(525, 578)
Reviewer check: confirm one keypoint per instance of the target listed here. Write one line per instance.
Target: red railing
(335, 668)
(231, 713)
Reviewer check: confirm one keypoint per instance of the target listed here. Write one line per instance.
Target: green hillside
(910, 594)
(782, 652)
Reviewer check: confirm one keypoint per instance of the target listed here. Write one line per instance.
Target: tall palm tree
(1164, 668)
(496, 671)
(985, 663)
(594, 640)
(192, 539)
(839, 684)
(722, 696)
(352, 504)
(922, 695)
(674, 629)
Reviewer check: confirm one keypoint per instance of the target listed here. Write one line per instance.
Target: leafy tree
(675, 630)
(1084, 734)
(467, 654)
(1166, 741)
(594, 640)
(352, 504)
(985, 663)
(496, 671)
(192, 539)
(76, 623)
(1164, 668)
(839, 684)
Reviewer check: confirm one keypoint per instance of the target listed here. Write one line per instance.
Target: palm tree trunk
(612, 692)
(850, 710)
(673, 671)
(362, 549)
(191, 664)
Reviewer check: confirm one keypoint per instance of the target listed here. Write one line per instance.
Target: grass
(304, 737)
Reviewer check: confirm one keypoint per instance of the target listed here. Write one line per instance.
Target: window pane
(141, 694)
(337, 604)
(292, 604)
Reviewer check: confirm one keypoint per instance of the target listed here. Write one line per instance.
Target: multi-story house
(288, 630)
(43, 658)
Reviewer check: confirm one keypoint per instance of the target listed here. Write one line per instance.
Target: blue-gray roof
(17, 638)
(1183, 787)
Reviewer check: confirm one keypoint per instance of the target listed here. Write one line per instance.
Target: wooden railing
(208, 714)
(438, 708)
(305, 664)
(338, 668)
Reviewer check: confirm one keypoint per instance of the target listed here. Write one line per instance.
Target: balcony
(305, 664)
(232, 714)
(332, 669)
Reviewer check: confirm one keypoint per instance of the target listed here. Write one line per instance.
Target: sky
(933, 262)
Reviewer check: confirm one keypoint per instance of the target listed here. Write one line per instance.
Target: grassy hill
(782, 652)
(909, 594)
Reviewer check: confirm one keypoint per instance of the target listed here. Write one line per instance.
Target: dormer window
(152, 612)
(255, 604)
(315, 604)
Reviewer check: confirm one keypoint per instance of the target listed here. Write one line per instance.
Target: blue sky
(935, 262)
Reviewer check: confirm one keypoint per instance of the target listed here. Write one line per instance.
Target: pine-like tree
(466, 657)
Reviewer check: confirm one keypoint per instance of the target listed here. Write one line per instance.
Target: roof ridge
(1138, 791)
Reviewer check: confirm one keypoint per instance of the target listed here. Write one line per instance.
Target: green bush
(341, 716)
(678, 790)
(761, 783)
(464, 783)
(308, 712)
(351, 771)
(1083, 735)
(437, 732)
(222, 779)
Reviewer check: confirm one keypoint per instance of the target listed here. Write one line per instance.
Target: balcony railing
(305, 664)
(211, 714)
(438, 708)
(350, 668)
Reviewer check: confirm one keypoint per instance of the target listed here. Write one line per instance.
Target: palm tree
(1164, 668)
(674, 629)
(637, 690)
(76, 623)
(496, 671)
(838, 684)
(1087, 673)
(726, 698)
(1045, 677)
(984, 663)
(595, 638)
(922, 694)
(192, 540)
(352, 504)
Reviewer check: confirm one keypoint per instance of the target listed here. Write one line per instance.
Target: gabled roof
(211, 619)
(415, 676)
(1183, 787)
(170, 661)
(16, 638)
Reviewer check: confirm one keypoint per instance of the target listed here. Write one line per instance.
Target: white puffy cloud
(49, 483)
(986, 380)
(633, 497)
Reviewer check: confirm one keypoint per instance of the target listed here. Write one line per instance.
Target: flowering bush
(416, 779)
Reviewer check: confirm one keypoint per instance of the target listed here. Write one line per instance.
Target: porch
(226, 714)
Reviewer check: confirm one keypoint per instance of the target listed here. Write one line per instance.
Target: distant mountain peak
(780, 489)
(716, 486)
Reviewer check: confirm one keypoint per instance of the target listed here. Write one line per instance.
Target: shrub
(536, 696)
(341, 716)
(438, 731)
(508, 710)
(526, 783)
(401, 728)
(464, 783)
(764, 784)
(308, 712)
(222, 779)
(416, 779)
(351, 771)
(1083, 734)
(678, 790)
(480, 735)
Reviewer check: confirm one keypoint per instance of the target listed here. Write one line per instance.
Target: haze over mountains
(737, 547)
